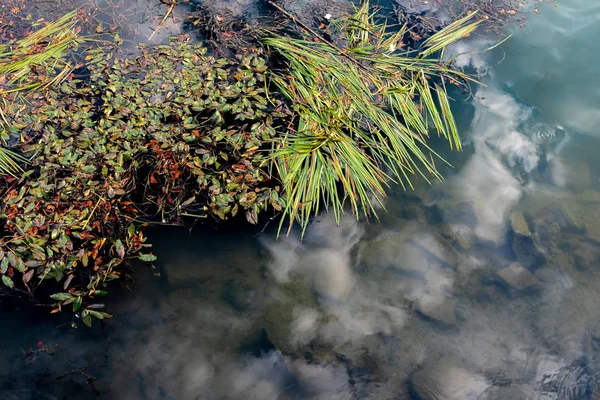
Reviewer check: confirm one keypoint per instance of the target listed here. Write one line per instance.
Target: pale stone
(463, 242)
(517, 277)
(519, 224)
(547, 275)
(439, 311)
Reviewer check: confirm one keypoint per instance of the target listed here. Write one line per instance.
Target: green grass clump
(34, 62)
(365, 112)
(42, 51)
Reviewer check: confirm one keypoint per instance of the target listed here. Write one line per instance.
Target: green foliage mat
(114, 143)
(171, 133)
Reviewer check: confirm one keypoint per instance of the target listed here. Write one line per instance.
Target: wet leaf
(60, 296)
(28, 275)
(131, 230)
(95, 314)
(251, 216)
(77, 304)
(7, 281)
(120, 249)
(87, 320)
(147, 257)
(68, 281)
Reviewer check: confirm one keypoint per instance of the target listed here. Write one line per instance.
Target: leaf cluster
(169, 134)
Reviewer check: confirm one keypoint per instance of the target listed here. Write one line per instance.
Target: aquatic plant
(33, 62)
(172, 133)
(175, 133)
(365, 111)
(10, 162)
(41, 52)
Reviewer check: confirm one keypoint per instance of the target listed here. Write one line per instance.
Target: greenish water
(485, 286)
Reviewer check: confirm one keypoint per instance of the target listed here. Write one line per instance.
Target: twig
(31, 354)
(89, 379)
(92, 213)
(169, 11)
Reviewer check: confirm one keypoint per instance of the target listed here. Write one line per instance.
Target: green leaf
(61, 296)
(7, 281)
(131, 230)
(87, 320)
(77, 304)
(95, 314)
(4, 265)
(147, 257)
(120, 249)
(69, 301)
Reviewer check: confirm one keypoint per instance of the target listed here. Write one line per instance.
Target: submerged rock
(517, 277)
(579, 215)
(519, 224)
(585, 254)
(527, 252)
(446, 380)
(441, 312)
(547, 275)
(460, 213)
(463, 242)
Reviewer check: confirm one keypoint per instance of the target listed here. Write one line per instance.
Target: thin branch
(169, 11)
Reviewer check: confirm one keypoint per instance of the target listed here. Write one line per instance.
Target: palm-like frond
(365, 114)
(34, 62)
(43, 50)
(10, 162)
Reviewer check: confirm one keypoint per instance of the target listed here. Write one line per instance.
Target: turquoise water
(484, 286)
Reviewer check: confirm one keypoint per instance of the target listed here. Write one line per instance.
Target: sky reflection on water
(482, 287)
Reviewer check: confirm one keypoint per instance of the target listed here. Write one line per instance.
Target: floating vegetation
(94, 151)
(34, 62)
(10, 162)
(365, 112)
(170, 134)
(38, 61)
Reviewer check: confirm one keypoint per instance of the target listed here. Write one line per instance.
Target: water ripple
(574, 382)
(543, 133)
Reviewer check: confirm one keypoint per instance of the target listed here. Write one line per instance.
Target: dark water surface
(485, 286)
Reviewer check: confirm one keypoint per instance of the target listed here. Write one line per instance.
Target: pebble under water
(484, 286)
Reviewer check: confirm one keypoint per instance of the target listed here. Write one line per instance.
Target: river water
(484, 286)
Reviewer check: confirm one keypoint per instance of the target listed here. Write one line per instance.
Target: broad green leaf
(77, 304)
(7, 281)
(147, 257)
(61, 296)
